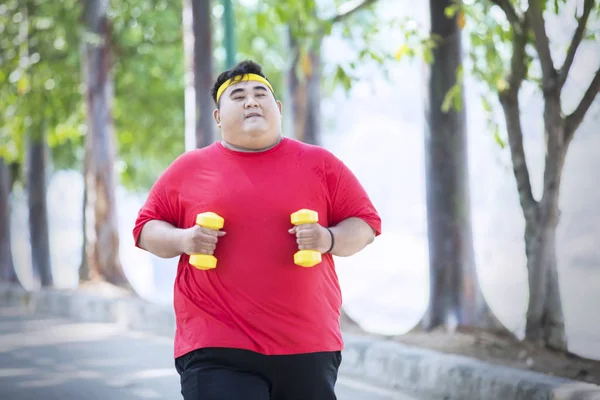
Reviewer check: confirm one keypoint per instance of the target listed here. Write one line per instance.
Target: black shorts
(235, 374)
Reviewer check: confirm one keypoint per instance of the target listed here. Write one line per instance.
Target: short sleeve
(162, 201)
(349, 198)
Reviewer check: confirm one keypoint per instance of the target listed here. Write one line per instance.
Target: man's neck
(246, 150)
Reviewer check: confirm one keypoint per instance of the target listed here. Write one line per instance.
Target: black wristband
(332, 241)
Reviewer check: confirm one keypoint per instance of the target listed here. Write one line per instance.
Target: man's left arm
(353, 222)
(343, 240)
(350, 236)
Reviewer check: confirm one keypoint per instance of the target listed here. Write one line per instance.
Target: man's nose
(251, 101)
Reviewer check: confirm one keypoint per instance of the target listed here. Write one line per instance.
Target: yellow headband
(239, 78)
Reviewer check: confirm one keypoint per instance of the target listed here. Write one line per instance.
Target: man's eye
(260, 95)
(239, 98)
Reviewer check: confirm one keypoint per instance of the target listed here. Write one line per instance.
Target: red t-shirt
(257, 298)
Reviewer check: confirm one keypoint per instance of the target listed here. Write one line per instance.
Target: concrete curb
(451, 377)
(387, 364)
(128, 312)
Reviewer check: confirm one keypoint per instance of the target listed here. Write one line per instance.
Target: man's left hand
(312, 237)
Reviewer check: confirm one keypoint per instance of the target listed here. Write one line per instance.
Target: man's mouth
(251, 115)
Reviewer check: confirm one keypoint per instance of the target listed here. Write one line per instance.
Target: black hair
(244, 67)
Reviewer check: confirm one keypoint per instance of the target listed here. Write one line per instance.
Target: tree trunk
(84, 267)
(188, 76)
(203, 72)
(304, 85)
(7, 266)
(38, 210)
(455, 295)
(545, 319)
(103, 245)
(36, 169)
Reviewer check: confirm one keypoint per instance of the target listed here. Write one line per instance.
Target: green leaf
(327, 27)
(460, 74)
(402, 51)
(262, 21)
(451, 11)
(452, 98)
(487, 106)
(498, 139)
(23, 84)
(457, 99)
(428, 55)
(376, 57)
(342, 78)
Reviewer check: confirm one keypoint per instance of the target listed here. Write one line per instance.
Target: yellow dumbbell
(306, 258)
(208, 220)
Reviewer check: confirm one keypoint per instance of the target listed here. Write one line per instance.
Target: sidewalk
(390, 366)
(52, 358)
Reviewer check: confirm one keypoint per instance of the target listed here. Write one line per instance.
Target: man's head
(247, 112)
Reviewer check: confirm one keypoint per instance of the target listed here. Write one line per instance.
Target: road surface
(56, 359)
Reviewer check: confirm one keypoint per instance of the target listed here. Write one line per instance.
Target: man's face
(249, 116)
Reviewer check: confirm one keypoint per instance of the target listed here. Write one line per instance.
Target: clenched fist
(199, 240)
(312, 237)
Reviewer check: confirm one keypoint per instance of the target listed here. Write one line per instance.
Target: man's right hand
(199, 240)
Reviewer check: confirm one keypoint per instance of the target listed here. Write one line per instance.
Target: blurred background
(360, 66)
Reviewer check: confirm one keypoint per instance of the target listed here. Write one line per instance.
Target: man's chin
(260, 138)
(256, 132)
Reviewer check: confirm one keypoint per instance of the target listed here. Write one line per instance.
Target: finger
(221, 233)
(306, 242)
(204, 238)
(305, 233)
(211, 232)
(305, 227)
(207, 249)
(292, 231)
(307, 247)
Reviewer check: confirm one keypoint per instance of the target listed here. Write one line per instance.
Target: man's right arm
(162, 239)
(166, 241)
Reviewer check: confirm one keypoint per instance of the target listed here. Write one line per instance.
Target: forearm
(161, 239)
(351, 236)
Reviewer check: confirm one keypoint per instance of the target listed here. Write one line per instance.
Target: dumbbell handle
(208, 220)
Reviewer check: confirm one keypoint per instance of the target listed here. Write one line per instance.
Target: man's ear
(217, 117)
(280, 106)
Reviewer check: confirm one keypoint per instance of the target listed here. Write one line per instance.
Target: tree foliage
(39, 77)
(148, 72)
(264, 30)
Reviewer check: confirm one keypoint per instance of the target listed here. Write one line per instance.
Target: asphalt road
(56, 359)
